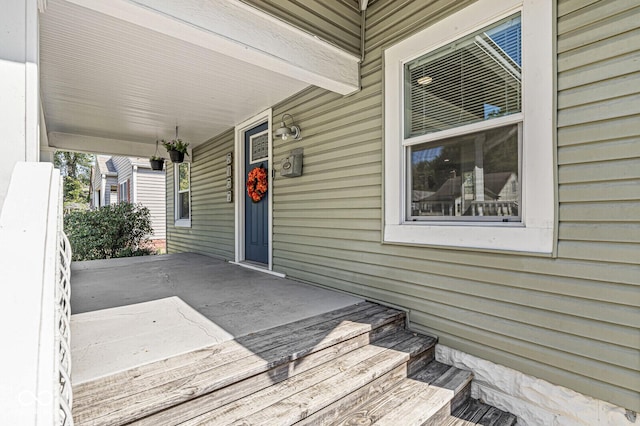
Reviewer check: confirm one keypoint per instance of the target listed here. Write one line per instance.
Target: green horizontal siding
(572, 320)
(335, 21)
(212, 218)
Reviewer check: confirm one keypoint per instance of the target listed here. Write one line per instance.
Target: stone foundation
(534, 401)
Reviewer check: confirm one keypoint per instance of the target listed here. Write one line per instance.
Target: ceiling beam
(96, 145)
(242, 32)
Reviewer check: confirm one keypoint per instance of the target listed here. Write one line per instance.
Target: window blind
(475, 78)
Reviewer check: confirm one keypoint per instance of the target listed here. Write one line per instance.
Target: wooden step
(474, 412)
(325, 389)
(357, 365)
(425, 397)
(232, 369)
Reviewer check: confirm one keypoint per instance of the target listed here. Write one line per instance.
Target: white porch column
(19, 88)
(103, 191)
(134, 185)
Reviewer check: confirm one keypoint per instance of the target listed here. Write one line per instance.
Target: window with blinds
(469, 124)
(473, 175)
(473, 79)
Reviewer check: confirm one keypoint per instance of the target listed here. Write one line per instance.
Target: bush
(119, 230)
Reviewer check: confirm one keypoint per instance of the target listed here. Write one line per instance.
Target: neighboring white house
(104, 182)
(117, 179)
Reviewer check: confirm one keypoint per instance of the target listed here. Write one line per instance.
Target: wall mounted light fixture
(285, 132)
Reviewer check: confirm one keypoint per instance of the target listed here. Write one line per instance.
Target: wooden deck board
(302, 404)
(413, 401)
(374, 389)
(156, 390)
(475, 412)
(423, 401)
(209, 402)
(274, 394)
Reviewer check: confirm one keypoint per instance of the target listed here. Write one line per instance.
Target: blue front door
(256, 216)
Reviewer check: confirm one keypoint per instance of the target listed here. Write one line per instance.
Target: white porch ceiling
(113, 80)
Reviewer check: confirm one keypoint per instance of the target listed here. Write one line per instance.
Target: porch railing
(35, 307)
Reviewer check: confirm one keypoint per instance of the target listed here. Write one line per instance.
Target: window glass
(476, 174)
(183, 197)
(124, 192)
(184, 176)
(475, 78)
(184, 205)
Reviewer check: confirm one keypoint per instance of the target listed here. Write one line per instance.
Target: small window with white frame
(259, 147)
(469, 130)
(124, 192)
(182, 194)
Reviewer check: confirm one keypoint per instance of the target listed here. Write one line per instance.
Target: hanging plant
(176, 149)
(257, 184)
(157, 162)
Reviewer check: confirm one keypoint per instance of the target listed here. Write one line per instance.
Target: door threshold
(260, 267)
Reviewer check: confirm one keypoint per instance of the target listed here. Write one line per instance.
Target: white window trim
(183, 223)
(536, 232)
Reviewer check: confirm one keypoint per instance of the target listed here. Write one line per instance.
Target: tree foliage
(119, 230)
(76, 171)
(74, 164)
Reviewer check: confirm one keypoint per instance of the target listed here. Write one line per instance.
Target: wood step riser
(236, 391)
(378, 387)
(461, 398)
(373, 389)
(475, 412)
(412, 401)
(440, 417)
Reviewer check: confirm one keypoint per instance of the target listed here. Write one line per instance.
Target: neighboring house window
(183, 194)
(113, 194)
(124, 192)
(469, 130)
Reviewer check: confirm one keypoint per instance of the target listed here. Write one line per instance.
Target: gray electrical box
(291, 165)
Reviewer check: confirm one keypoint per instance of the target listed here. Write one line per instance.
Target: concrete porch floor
(135, 311)
(237, 299)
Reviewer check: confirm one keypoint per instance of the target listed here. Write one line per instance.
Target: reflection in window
(183, 198)
(471, 175)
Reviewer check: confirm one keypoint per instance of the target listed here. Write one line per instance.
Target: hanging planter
(176, 148)
(176, 156)
(257, 184)
(157, 163)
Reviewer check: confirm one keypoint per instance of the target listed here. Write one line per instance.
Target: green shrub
(119, 230)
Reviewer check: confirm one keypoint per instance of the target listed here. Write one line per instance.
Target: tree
(76, 171)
